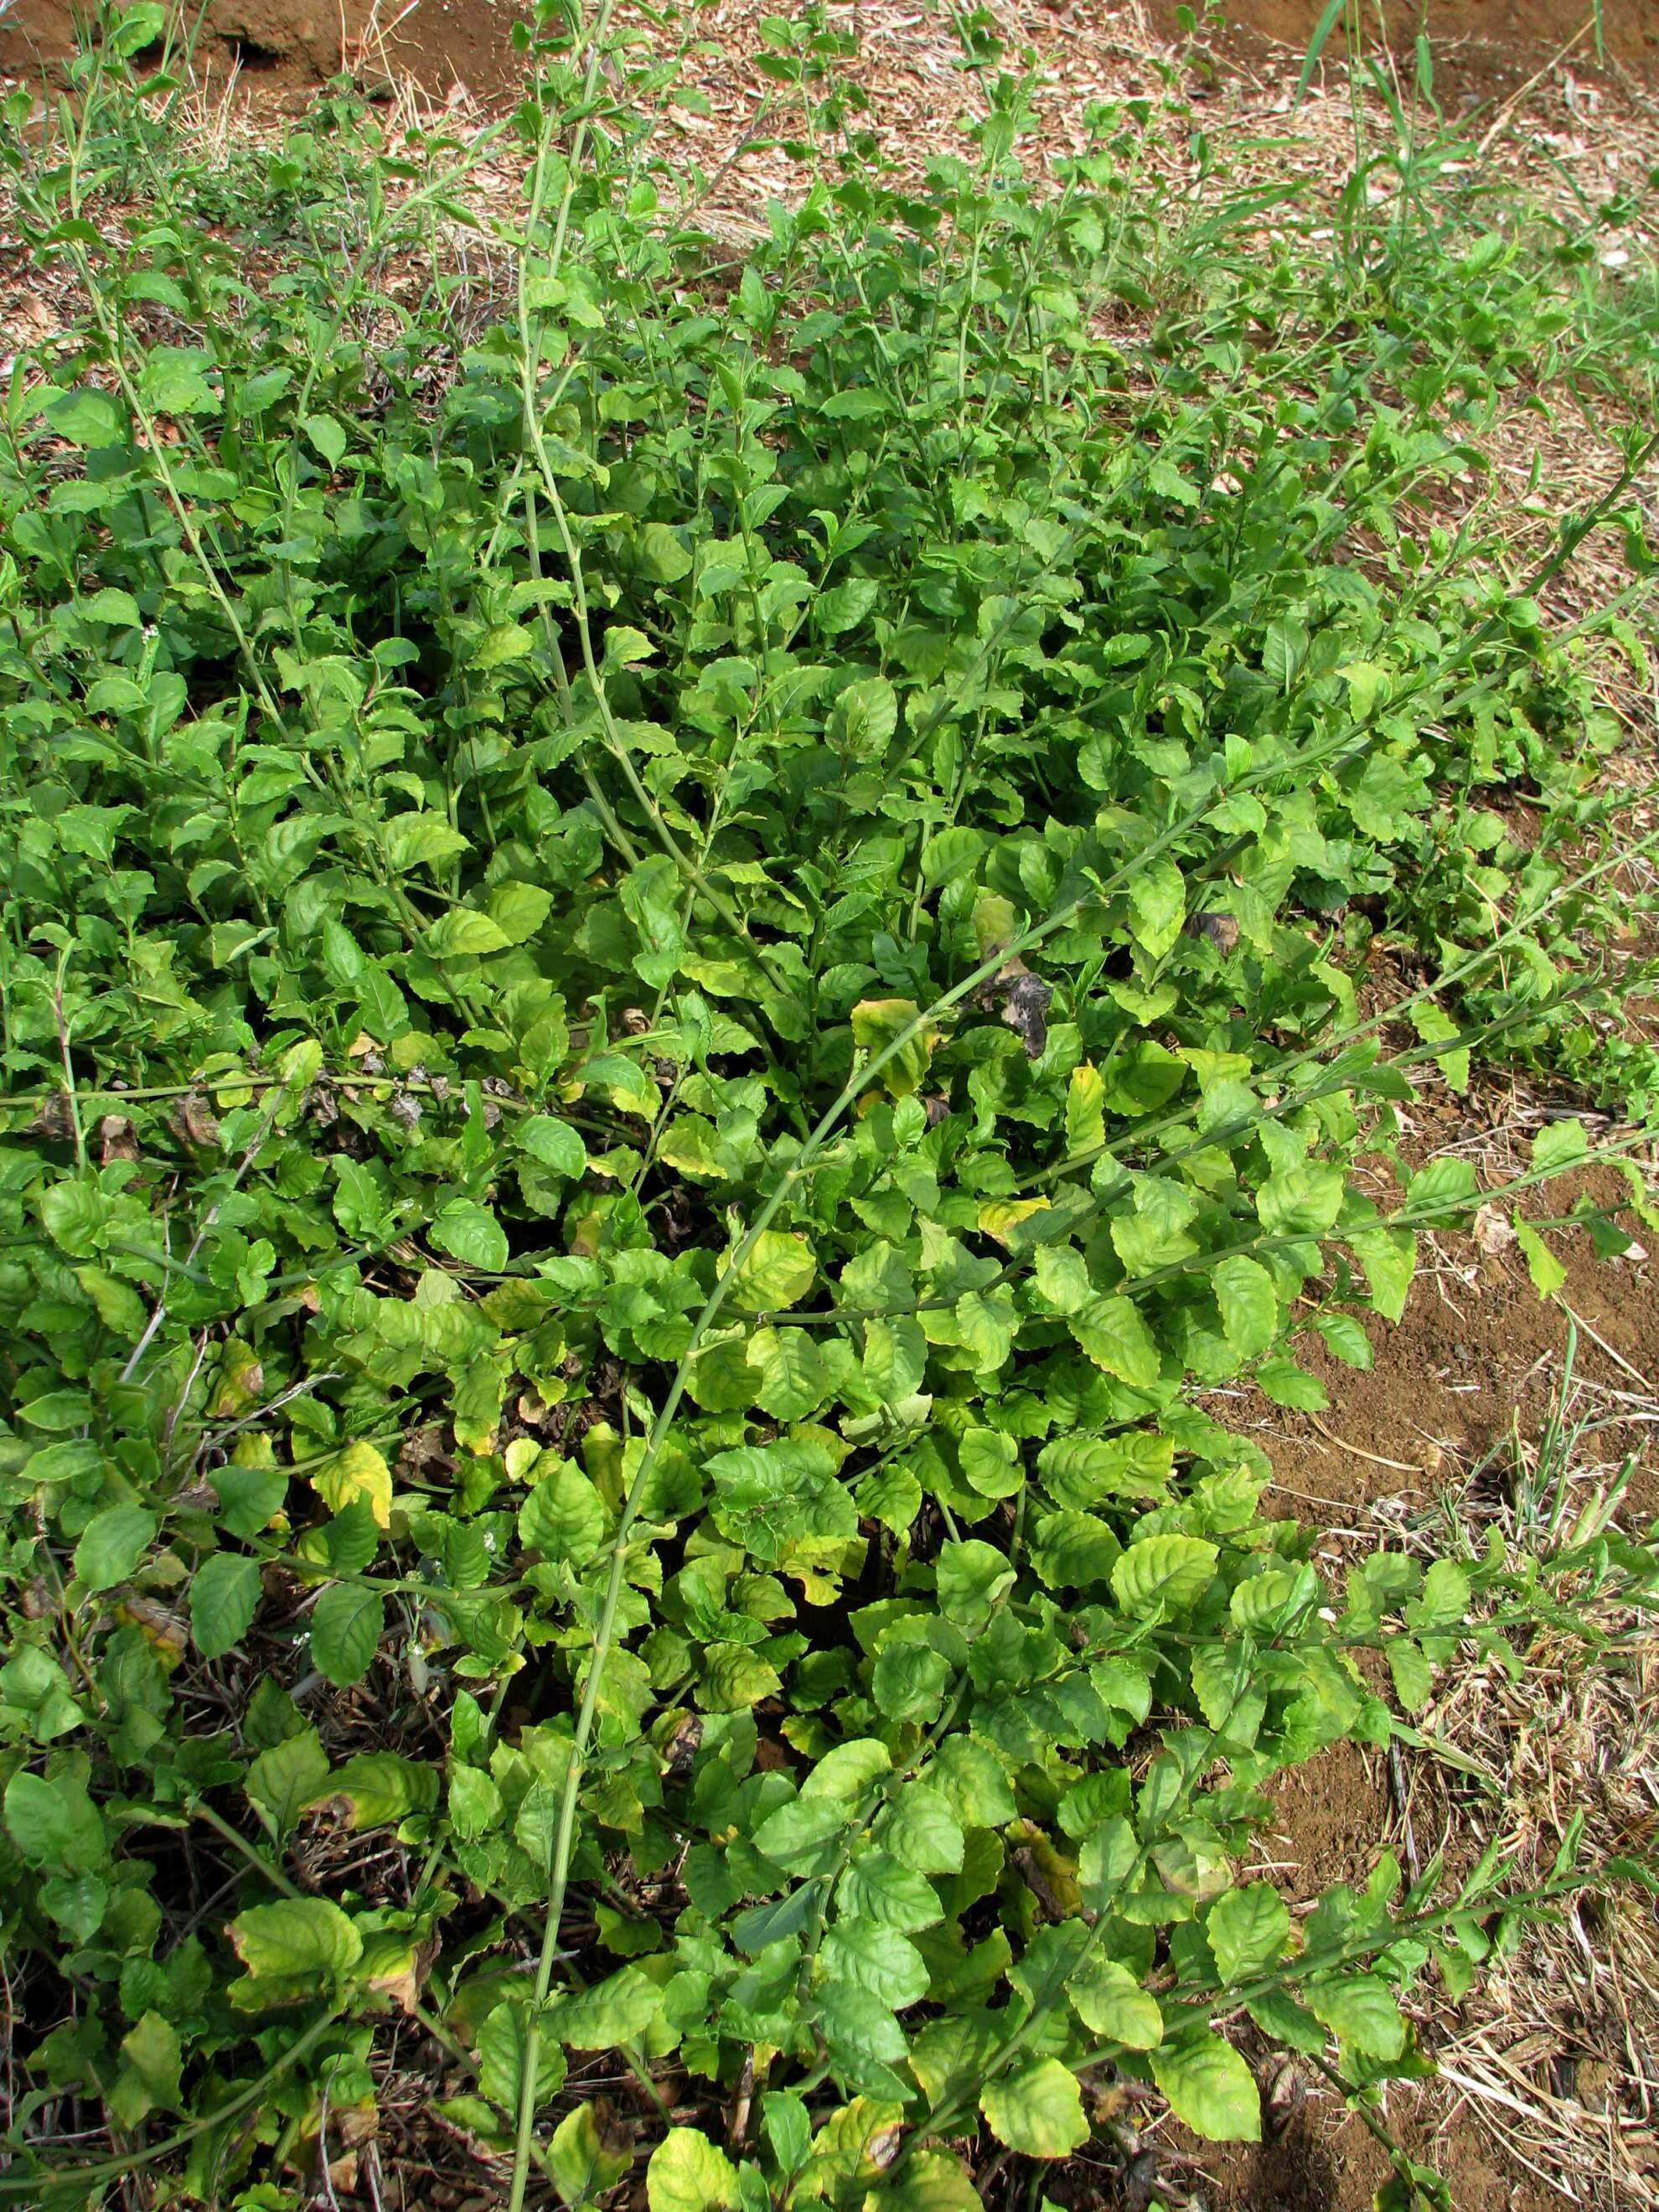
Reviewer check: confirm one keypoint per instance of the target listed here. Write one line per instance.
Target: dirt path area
(1547, 2069)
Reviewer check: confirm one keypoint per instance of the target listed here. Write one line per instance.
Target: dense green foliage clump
(685, 952)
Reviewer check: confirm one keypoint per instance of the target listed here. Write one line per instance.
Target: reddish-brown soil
(1487, 37)
(1477, 1359)
(1483, 48)
(1477, 1352)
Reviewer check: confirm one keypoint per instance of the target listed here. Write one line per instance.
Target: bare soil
(1473, 39)
(1474, 1363)
(1483, 48)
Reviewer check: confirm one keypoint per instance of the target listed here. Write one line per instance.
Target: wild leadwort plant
(679, 971)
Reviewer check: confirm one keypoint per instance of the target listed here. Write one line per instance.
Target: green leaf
(555, 1144)
(564, 1516)
(803, 1838)
(1173, 1572)
(791, 1380)
(876, 1887)
(347, 1623)
(286, 1779)
(1547, 1273)
(1037, 2110)
(518, 909)
(473, 1234)
(617, 2010)
(416, 841)
(463, 933)
(152, 2060)
(1443, 1602)
(894, 1357)
(1085, 1111)
(1301, 1201)
(1443, 1191)
(1360, 2009)
(1277, 2014)
(1288, 1384)
(1389, 1259)
(1209, 2087)
(112, 1545)
(475, 1802)
(501, 2041)
(75, 1216)
(504, 642)
(1265, 1602)
(971, 1576)
(250, 1497)
(687, 2173)
(1413, 1677)
(973, 1781)
(328, 437)
(1436, 1027)
(113, 606)
(772, 1496)
(1344, 1338)
(933, 2181)
(879, 1959)
(1111, 2002)
(845, 606)
(1249, 1304)
(87, 418)
(1114, 1336)
(864, 2040)
(294, 1936)
(864, 717)
(1158, 906)
(624, 645)
(1109, 1858)
(990, 1462)
(379, 1789)
(224, 1595)
(847, 1772)
(921, 1830)
(658, 554)
(1559, 1144)
(1247, 1930)
(54, 1823)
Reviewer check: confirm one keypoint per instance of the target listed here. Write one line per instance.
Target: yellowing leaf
(1038, 2110)
(687, 2173)
(1210, 2088)
(357, 1470)
(778, 1271)
(1111, 2002)
(296, 1936)
(1085, 1111)
(1000, 1217)
(879, 1025)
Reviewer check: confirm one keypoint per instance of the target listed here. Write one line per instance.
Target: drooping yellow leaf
(357, 1470)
